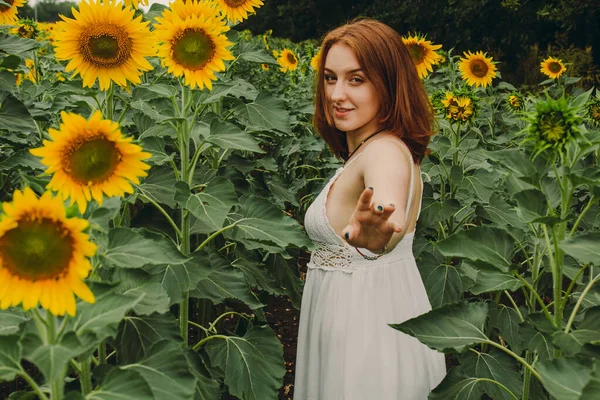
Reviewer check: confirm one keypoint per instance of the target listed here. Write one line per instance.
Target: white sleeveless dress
(346, 350)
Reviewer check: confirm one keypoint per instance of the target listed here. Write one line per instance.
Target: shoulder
(389, 150)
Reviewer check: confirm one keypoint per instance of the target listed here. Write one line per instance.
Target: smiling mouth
(342, 110)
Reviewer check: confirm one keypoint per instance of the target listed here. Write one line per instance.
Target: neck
(355, 142)
(354, 139)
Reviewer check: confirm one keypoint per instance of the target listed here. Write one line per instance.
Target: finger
(364, 201)
(350, 233)
(387, 211)
(394, 226)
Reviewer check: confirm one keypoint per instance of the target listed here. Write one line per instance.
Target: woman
(372, 110)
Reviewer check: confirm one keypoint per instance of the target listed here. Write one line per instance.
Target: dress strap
(412, 176)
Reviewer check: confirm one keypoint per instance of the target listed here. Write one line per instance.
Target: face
(351, 97)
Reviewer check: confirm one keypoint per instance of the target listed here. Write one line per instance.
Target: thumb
(349, 232)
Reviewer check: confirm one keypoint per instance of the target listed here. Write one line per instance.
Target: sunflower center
(37, 249)
(105, 45)
(479, 68)
(552, 126)
(92, 161)
(5, 8)
(291, 58)
(417, 52)
(514, 101)
(595, 113)
(193, 49)
(554, 67)
(234, 3)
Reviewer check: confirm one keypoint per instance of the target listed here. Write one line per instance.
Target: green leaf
(51, 359)
(493, 246)
(443, 284)
(491, 280)
(121, 384)
(532, 204)
(501, 213)
(102, 318)
(253, 364)
(285, 272)
(134, 248)
(507, 321)
(252, 53)
(565, 378)
(210, 207)
(207, 388)
(13, 44)
(584, 248)
(156, 146)
(21, 160)
(591, 391)
(148, 110)
(221, 281)
(157, 90)
(228, 136)
(165, 370)
(265, 112)
(154, 296)
(454, 326)
(137, 334)
(10, 357)
(8, 80)
(259, 221)
(480, 185)
(235, 88)
(458, 386)
(515, 160)
(158, 185)
(181, 278)
(14, 116)
(497, 366)
(11, 321)
(101, 217)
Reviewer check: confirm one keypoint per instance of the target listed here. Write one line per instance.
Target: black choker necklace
(361, 143)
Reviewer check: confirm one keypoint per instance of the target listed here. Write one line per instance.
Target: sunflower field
(155, 169)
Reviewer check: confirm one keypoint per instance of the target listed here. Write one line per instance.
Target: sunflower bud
(552, 126)
(592, 109)
(515, 101)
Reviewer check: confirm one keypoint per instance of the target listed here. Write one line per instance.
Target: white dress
(346, 350)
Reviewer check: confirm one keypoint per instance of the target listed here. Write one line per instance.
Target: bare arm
(378, 219)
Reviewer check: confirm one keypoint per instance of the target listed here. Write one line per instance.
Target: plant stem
(536, 296)
(576, 308)
(583, 212)
(109, 101)
(85, 377)
(516, 357)
(57, 384)
(527, 377)
(572, 285)
(514, 305)
(217, 233)
(206, 339)
(184, 152)
(102, 353)
(27, 378)
(162, 211)
(214, 323)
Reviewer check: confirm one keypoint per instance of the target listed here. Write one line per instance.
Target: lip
(341, 112)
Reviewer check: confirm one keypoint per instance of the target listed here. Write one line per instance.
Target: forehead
(341, 58)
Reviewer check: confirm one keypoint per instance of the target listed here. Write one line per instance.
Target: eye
(356, 79)
(329, 77)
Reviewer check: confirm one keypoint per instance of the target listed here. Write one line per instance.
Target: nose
(338, 93)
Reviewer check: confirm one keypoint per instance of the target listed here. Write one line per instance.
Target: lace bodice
(334, 253)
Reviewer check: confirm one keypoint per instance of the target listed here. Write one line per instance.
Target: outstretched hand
(370, 226)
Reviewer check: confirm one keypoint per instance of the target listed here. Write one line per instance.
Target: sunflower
(477, 69)
(43, 255)
(316, 60)
(135, 3)
(288, 60)
(592, 110)
(265, 67)
(458, 108)
(194, 46)
(26, 29)
(103, 42)
(89, 158)
(237, 10)
(515, 101)
(552, 67)
(423, 53)
(8, 13)
(553, 125)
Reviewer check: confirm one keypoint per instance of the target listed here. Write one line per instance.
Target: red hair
(406, 110)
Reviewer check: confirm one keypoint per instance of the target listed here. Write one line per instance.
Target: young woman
(372, 110)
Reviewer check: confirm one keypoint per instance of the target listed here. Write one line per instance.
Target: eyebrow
(351, 71)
